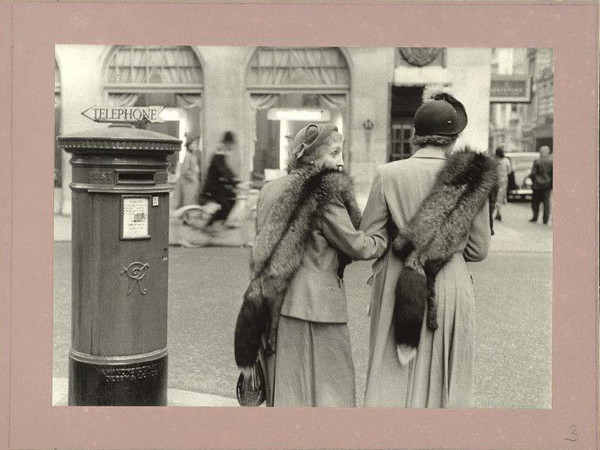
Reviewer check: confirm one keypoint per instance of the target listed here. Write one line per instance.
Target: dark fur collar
(433, 235)
(278, 252)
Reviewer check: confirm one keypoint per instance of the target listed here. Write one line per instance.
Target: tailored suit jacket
(316, 292)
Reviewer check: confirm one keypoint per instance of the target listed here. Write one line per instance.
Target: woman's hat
(310, 137)
(442, 115)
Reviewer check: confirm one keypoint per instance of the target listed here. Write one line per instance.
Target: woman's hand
(247, 372)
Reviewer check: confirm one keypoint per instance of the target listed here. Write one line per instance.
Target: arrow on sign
(128, 114)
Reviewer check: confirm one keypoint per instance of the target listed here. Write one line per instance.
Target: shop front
(419, 72)
(126, 76)
(288, 88)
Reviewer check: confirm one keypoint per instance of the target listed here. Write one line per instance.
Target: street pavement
(513, 318)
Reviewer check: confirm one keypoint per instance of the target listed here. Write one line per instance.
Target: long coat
(541, 173)
(187, 189)
(441, 374)
(220, 179)
(312, 364)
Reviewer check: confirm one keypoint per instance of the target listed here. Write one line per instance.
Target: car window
(522, 162)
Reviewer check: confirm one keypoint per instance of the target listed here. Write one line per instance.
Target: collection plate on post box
(134, 217)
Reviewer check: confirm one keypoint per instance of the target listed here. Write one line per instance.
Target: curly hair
(433, 140)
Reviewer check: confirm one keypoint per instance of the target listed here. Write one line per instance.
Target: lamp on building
(368, 127)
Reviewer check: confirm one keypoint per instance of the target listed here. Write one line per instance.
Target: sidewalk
(516, 234)
(176, 397)
(62, 224)
(62, 228)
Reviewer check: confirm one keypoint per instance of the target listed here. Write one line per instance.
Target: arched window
(298, 68)
(134, 70)
(288, 88)
(159, 75)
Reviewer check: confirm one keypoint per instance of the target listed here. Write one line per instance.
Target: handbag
(252, 391)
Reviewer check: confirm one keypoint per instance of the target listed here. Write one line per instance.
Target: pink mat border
(26, 194)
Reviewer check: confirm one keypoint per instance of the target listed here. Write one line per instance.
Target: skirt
(442, 373)
(502, 191)
(312, 365)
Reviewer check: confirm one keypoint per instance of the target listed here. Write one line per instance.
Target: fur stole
(433, 235)
(278, 252)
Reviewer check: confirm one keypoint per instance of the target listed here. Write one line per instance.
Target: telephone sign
(125, 114)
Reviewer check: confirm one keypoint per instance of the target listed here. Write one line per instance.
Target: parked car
(519, 181)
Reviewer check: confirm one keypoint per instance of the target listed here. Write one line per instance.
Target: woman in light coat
(422, 306)
(306, 233)
(187, 188)
(503, 168)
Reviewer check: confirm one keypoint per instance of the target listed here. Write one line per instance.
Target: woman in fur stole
(434, 205)
(295, 305)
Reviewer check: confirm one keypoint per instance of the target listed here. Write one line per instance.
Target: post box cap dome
(119, 137)
(121, 132)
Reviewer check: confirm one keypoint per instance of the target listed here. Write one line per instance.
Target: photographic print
(198, 226)
(298, 225)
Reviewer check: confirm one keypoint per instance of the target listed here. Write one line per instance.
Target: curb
(176, 397)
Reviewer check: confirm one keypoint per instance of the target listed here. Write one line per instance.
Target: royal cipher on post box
(120, 257)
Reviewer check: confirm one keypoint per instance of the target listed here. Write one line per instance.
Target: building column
(371, 72)
(81, 88)
(225, 105)
(470, 74)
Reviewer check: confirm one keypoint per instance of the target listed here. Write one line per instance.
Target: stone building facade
(265, 94)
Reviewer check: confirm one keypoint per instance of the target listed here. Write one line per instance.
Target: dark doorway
(405, 102)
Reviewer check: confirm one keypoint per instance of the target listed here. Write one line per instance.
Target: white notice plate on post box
(134, 217)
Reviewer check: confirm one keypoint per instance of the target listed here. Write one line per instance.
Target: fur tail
(409, 310)
(250, 327)
(405, 354)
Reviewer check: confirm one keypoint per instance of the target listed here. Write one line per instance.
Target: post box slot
(135, 177)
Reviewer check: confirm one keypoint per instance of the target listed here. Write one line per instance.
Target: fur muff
(278, 252)
(431, 238)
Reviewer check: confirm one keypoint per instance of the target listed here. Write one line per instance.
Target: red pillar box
(120, 233)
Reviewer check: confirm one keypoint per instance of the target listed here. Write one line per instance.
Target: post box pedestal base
(136, 384)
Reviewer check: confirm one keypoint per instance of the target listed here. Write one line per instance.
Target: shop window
(298, 67)
(401, 146)
(159, 75)
(290, 87)
(132, 70)
(146, 66)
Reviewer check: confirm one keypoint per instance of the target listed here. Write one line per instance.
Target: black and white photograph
(303, 226)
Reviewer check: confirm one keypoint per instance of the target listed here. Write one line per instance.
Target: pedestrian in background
(504, 169)
(296, 303)
(541, 178)
(422, 306)
(187, 187)
(492, 206)
(221, 181)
